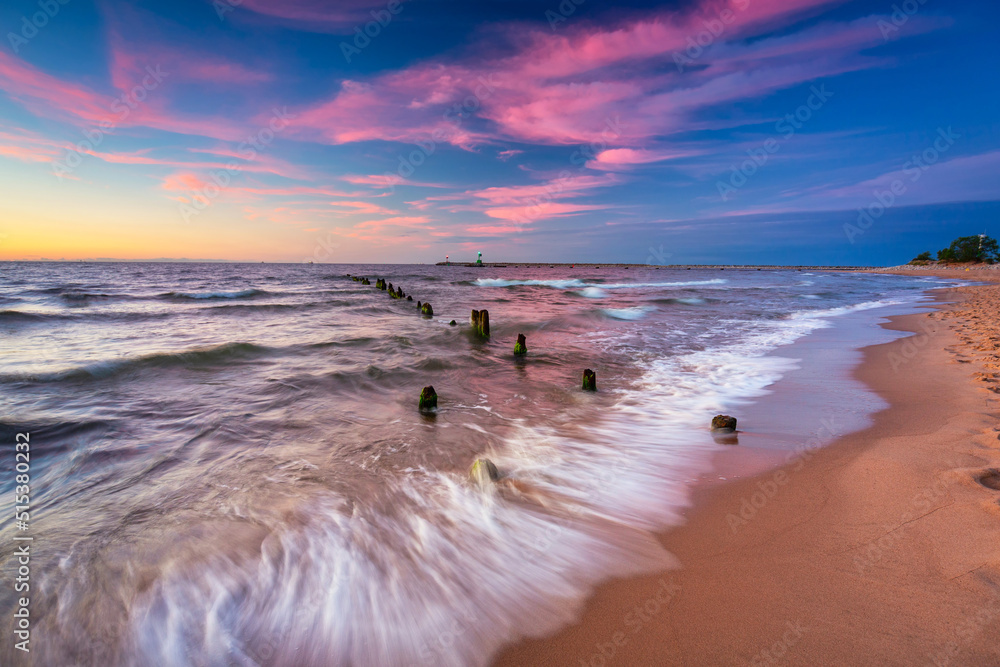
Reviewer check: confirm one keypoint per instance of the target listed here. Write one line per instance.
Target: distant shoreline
(600, 265)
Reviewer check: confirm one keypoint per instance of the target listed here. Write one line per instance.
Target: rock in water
(426, 310)
(428, 399)
(409, 298)
(453, 323)
(521, 346)
(589, 380)
(724, 424)
(483, 471)
(481, 322)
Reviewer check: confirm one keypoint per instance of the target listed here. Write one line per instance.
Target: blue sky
(747, 131)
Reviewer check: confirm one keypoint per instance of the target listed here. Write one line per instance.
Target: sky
(694, 131)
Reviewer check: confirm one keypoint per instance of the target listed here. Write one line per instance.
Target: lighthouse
(479, 260)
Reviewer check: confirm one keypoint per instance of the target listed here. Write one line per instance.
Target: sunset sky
(748, 131)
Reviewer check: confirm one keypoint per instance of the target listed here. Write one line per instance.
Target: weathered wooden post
(521, 346)
(481, 322)
(483, 472)
(589, 380)
(428, 399)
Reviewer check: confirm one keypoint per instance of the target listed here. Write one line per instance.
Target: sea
(228, 465)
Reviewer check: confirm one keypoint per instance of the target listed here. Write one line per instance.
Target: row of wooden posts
(484, 471)
(480, 325)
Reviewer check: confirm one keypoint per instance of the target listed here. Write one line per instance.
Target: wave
(567, 283)
(687, 301)
(193, 358)
(273, 307)
(574, 283)
(24, 316)
(635, 313)
(842, 310)
(241, 294)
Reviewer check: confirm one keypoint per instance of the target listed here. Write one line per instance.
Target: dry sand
(880, 549)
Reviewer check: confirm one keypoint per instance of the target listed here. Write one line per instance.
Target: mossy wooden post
(481, 322)
(483, 471)
(426, 310)
(521, 346)
(428, 399)
(589, 380)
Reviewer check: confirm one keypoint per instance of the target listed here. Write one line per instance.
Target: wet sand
(882, 548)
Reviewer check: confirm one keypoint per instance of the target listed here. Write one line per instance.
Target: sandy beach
(880, 549)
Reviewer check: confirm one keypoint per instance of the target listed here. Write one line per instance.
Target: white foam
(842, 310)
(635, 313)
(559, 284)
(573, 283)
(459, 571)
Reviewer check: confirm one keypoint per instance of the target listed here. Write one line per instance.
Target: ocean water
(228, 465)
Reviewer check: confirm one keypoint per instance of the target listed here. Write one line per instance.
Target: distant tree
(971, 249)
(923, 257)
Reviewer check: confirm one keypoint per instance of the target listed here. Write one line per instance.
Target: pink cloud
(594, 84)
(558, 188)
(947, 179)
(365, 207)
(381, 180)
(225, 72)
(50, 97)
(28, 146)
(397, 221)
(497, 230)
(539, 211)
(619, 158)
(184, 182)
